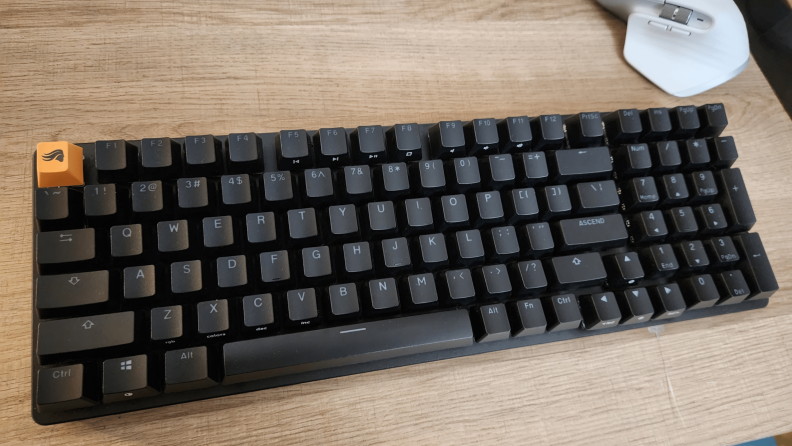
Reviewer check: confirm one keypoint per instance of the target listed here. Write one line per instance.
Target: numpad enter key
(169, 270)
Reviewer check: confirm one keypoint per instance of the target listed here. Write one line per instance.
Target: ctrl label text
(62, 373)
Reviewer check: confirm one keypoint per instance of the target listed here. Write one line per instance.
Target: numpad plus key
(169, 270)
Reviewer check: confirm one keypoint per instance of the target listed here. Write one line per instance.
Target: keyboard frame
(165, 399)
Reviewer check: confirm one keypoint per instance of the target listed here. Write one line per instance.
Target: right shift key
(577, 271)
(735, 200)
(582, 164)
(755, 266)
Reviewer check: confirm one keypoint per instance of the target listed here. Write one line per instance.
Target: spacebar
(351, 344)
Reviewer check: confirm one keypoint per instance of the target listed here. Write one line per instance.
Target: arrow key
(623, 269)
(635, 306)
(600, 310)
(667, 300)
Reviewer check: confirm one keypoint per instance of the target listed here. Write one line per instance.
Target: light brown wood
(82, 71)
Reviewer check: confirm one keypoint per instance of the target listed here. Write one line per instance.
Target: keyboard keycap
(538, 238)
(85, 333)
(429, 178)
(368, 145)
(556, 201)
(302, 225)
(186, 276)
(404, 142)
(468, 248)
(71, 290)
(723, 151)
(202, 155)
(601, 232)
(623, 126)
(633, 160)
(635, 306)
(383, 296)
(231, 271)
(667, 300)
(732, 287)
(275, 266)
(498, 171)
(495, 323)
(218, 231)
(712, 219)
(317, 263)
(656, 124)
(172, 236)
(623, 269)
(488, 210)
(353, 344)
(685, 121)
(126, 240)
(531, 277)
(466, 175)
(381, 219)
(422, 290)
(343, 221)
(493, 282)
(115, 161)
(213, 316)
(531, 169)
(577, 165)
(520, 205)
(166, 323)
(650, 227)
(125, 379)
(695, 155)
(459, 285)
(700, 291)
(563, 313)
(61, 388)
(261, 227)
(235, 190)
(640, 193)
(417, 214)
(453, 212)
(756, 266)
(502, 244)
(723, 251)
(713, 120)
(332, 147)
(65, 246)
(187, 369)
(693, 255)
(547, 132)
(302, 305)
(666, 157)
(357, 259)
(514, 134)
(159, 158)
(291, 149)
(278, 188)
(258, 311)
(244, 154)
(598, 197)
(52, 203)
(318, 188)
(344, 300)
(532, 320)
(357, 183)
(100, 200)
(659, 260)
(139, 281)
(681, 223)
(584, 130)
(673, 189)
(577, 271)
(433, 252)
(481, 136)
(395, 181)
(193, 193)
(600, 310)
(147, 196)
(447, 140)
(735, 200)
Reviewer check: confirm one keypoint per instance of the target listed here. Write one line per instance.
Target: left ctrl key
(61, 388)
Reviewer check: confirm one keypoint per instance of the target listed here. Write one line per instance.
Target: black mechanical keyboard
(169, 270)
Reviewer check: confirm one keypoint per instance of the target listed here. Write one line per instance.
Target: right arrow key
(667, 300)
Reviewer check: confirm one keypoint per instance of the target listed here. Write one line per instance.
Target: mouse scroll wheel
(676, 13)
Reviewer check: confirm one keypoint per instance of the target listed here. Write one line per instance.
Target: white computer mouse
(685, 47)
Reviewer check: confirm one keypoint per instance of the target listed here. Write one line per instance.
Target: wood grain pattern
(83, 71)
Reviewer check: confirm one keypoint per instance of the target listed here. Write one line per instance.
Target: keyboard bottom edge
(166, 399)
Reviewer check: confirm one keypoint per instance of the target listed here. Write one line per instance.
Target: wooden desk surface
(77, 71)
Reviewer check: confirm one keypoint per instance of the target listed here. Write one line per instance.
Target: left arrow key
(85, 333)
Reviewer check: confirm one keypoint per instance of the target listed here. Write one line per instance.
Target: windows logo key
(126, 365)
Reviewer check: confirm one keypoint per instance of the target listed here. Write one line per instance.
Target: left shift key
(85, 333)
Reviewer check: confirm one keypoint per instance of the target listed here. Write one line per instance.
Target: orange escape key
(59, 163)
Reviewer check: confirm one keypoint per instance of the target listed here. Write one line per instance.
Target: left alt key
(59, 163)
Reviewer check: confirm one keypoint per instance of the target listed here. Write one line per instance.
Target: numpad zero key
(169, 270)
